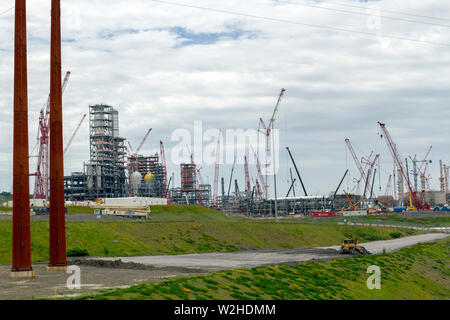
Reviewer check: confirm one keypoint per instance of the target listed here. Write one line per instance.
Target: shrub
(396, 235)
(77, 252)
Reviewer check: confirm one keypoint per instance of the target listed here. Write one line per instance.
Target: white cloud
(127, 54)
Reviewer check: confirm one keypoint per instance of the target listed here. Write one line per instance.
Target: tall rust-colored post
(58, 259)
(21, 253)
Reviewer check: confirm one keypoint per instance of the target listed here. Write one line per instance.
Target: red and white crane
(247, 175)
(362, 171)
(216, 173)
(396, 156)
(164, 169)
(42, 170)
(388, 191)
(258, 189)
(267, 131)
(135, 153)
(260, 175)
(371, 165)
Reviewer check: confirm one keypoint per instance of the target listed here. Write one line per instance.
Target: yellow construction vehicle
(411, 206)
(350, 246)
(350, 201)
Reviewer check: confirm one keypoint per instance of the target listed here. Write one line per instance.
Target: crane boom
(164, 169)
(63, 88)
(396, 156)
(260, 175)
(388, 186)
(143, 141)
(355, 158)
(216, 173)
(272, 119)
(74, 134)
(298, 173)
(267, 130)
(425, 159)
(247, 175)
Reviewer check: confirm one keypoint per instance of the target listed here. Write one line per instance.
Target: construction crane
(74, 134)
(291, 188)
(396, 156)
(247, 175)
(135, 153)
(267, 131)
(164, 169)
(231, 178)
(292, 181)
(350, 201)
(371, 165)
(423, 168)
(216, 174)
(296, 169)
(358, 164)
(260, 175)
(199, 182)
(388, 190)
(42, 169)
(258, 188)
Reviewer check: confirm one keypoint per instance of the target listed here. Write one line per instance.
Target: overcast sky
(165, 66)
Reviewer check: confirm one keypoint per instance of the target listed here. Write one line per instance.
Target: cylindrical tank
(135, 181)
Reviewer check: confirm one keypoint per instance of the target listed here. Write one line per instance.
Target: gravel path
(254, 258)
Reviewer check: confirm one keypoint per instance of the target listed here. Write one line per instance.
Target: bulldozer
(350, 246)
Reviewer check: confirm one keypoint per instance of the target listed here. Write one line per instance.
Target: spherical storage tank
(149, 177)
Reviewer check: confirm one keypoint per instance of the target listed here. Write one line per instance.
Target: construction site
(328, 209)
(115, 170)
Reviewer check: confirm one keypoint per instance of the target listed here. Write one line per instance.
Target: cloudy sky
(164, 66)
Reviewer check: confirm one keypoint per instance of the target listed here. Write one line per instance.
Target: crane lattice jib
(258, 167)
(371, 165)
(143, 141)
(396, 156)
(164, 169)
(63, 88)
(258, 188)
(388, 186)
(272, 119)
(216, 173)
(425, 159)
(355, 158)
(74, 134)
(247, 174)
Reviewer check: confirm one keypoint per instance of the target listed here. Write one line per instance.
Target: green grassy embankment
(416, 273)
(182, 230)
(386, 219)
(70, 209)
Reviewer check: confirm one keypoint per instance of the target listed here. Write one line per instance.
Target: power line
(304, 24)
(361, 13)
(337, 3)
(6, 11)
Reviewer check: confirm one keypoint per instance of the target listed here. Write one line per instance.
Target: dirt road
(103, 273)
(254, 258)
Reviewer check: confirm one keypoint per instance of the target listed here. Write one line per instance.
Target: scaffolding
(145, 165)
(191, 192)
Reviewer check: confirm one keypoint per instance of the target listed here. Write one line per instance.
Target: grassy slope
(420, 272)
(395, 219)
(174, 231)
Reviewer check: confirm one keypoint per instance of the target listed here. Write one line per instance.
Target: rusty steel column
(21, 251)
(57, 214)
